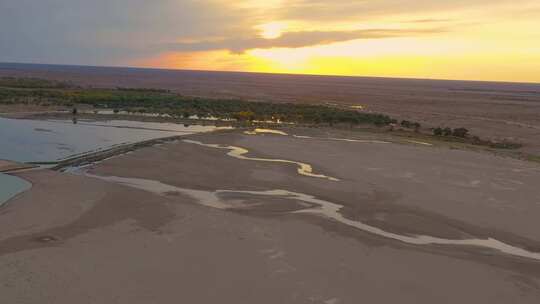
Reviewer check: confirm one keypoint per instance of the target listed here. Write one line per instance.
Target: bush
(244, 116)
(460, 132)
(447, 132)
(406, 124)
(410, 125)
(505, 145)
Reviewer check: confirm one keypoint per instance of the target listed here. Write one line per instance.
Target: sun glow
(271, 30)
(493, 47)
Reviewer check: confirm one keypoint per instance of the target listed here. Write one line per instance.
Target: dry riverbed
(313, 217)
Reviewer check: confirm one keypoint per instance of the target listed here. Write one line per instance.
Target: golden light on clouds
(258, 4)
(457, 39)
(469, 42)
(271, 30)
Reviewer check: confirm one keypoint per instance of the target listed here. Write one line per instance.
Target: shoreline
(7, 166)
(397, 136)
(15, 184)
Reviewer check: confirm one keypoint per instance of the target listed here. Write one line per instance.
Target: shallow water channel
(317, 207)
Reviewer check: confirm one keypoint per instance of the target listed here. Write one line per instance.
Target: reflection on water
(237, 152)
(278, 132)
(419, 142)
(52, 140)
(265, 131)
(365, 141)
(11, 186)
(321, 208)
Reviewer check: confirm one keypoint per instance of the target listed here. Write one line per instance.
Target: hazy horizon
(264, 73)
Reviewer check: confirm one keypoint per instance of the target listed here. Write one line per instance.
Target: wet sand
(6, 165)
(72, 237)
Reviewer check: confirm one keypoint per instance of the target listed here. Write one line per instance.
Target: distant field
(491, 110)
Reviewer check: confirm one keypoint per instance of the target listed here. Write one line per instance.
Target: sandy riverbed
(71, 238)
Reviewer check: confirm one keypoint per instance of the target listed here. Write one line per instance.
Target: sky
(444, 39)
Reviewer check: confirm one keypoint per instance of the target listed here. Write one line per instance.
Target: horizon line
(273, 73)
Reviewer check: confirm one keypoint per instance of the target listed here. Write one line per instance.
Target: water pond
(53, 140)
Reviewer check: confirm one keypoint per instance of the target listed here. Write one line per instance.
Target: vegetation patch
(462, 135)
(157, 101)
(33, 83)
(176, 105)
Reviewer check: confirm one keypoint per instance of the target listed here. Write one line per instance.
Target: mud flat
(188, 222)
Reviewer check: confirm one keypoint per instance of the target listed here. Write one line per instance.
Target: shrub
(460, 132)
(406, 124)
(447, 132)
(244, 116)
(505, 145)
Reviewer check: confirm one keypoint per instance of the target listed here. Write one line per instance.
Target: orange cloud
(211, 60)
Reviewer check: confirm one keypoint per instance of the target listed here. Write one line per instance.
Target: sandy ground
(6, 165)
(77, 239)
(490, 110)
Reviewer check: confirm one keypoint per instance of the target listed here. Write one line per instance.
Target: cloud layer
(294, 40)
(106, 31)
(114, 32)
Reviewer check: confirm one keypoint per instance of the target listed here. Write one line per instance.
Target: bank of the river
(10, 186)
(27, 143)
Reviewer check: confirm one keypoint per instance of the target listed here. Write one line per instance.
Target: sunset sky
(448, 39)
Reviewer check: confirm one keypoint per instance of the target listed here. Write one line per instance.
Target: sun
(271, 30)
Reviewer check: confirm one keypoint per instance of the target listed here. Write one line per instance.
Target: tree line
(176, 105)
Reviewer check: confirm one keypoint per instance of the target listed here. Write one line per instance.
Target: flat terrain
(81, 239)
(490, 110)
(9, 166)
